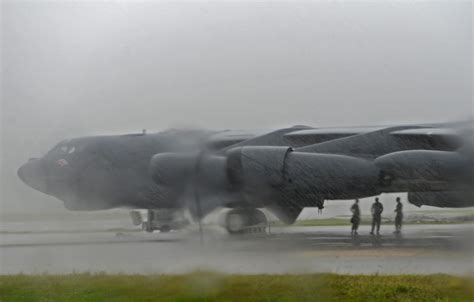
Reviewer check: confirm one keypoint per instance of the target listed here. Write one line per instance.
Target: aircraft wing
(388, 140)
(227, 138)
(318, 135)
(307, 138)
(296, 136)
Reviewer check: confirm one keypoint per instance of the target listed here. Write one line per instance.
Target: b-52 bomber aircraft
(282, 171)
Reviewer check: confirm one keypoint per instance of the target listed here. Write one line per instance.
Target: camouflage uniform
(377, 209)
(398, 217)
(355, 220)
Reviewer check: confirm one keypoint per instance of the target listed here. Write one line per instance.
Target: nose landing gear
(163, 220)
(245, 221)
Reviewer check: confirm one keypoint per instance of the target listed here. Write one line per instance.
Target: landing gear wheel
(240, 221)
(235, 221)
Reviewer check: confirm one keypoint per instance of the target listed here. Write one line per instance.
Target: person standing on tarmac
(355, 220)
(398, 216)
(377, 209)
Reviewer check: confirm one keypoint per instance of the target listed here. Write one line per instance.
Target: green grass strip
(208, 286)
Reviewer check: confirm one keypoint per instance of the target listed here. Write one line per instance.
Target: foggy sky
(79, 68)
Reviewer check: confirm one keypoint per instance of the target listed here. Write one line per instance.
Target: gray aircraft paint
(176, 169)
(74, 69)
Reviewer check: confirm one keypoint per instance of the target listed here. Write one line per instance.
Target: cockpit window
(63, 148)
(67, 149)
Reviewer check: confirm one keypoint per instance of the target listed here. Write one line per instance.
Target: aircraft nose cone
(32, 175)
(21, 174)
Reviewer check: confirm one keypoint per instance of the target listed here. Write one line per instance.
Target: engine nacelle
(278, 172)
(445, 199)
(333, 176)
(425, 165)
(248, 165)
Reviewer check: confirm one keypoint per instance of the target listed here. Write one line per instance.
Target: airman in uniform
(377, 209)
(398, 216)
(355, 220)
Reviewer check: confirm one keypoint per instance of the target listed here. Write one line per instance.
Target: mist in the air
(74, 69)
(80, 68)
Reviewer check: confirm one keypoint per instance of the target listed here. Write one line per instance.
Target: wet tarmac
(421, 249)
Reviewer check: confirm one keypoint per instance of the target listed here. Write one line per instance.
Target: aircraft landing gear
(245, 221)
(163, 220)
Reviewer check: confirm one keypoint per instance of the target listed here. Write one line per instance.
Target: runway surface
(41, 247)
